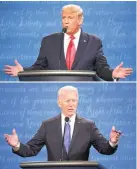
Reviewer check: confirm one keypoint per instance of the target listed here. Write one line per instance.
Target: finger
(13, 131)
(127, 69)
(16, 63)
(7, 139)
(13, 75)
(6, 136)
(122, 76)
(9, 73)
(119, 133)
(8, 66)
(7, 70)
(128, 73)
(113, 128)
(120, 65)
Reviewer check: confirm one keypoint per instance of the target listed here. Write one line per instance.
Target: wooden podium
(62, 165)
(57, 75)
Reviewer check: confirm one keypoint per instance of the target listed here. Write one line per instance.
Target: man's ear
(81, 20)
(59, 103)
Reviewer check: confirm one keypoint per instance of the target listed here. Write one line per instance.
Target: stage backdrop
(24, 24)
(25, 106)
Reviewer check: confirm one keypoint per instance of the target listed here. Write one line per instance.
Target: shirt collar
(72, 118)
(76, 35)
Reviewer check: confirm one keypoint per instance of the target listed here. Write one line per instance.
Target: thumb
(14, 132)
(113, 128)
(120, 65)
(16, 63)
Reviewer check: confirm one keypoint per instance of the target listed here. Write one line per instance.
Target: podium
(57, 75)
(62, 165)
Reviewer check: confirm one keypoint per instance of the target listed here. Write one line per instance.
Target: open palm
(121, 72)
(12, 140)
(13, 70)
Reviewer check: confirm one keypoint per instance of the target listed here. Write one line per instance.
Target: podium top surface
(59, 163)
(57, 72)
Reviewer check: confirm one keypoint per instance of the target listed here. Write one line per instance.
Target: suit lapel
(59, 130)
(59, 137)
(63, 65)
(83, 41)
(75, 132)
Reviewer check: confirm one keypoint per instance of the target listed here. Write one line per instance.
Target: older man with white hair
(66, 136)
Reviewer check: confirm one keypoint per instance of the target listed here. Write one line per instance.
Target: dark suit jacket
(89, 55)
(85, 135)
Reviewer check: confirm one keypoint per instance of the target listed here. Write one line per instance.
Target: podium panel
(57, 75)
(62, 165)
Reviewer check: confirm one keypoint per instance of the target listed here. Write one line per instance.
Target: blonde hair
(74, 9)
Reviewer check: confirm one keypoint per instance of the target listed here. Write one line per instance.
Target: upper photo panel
(67, 41)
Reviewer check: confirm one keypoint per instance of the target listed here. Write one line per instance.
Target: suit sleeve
(41, 62)
(102, 68)
(32, 147)
(100, 143)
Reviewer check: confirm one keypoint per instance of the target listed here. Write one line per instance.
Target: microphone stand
(62, 150)
(66, 120)
(64, 30)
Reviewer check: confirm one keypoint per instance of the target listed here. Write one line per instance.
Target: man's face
(68, 102)
(71, 21)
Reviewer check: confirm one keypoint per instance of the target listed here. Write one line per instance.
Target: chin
(71, 114)
(69, 32)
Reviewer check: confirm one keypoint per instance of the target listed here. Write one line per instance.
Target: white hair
(67, 88)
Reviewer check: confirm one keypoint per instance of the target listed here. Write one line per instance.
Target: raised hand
(114, 135)
(13, 70)
(13, 139)
(121, 72)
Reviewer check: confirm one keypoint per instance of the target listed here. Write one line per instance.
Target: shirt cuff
(115, 80)
(17, 147)
(113, 144)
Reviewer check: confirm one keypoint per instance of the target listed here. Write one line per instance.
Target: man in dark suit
(71, 142)
(80, 51)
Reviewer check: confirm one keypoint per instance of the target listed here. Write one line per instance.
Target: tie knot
(72, 37)
(68, 123)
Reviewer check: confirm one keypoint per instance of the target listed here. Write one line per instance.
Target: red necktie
(71, 51)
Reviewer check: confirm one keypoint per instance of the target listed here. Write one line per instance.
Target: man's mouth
(70, 109)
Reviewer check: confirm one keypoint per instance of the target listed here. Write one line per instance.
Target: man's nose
(71, 103)
(66, 21)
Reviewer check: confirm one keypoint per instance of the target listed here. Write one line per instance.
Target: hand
(121, 72)
(12, 140)
(114, 135)
(13, 70)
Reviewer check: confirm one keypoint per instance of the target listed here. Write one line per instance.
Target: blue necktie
(67, 136)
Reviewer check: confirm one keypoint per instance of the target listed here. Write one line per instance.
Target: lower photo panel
(24, 106)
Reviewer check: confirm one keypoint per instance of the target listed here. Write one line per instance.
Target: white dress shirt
(71, 122)
(67, 40)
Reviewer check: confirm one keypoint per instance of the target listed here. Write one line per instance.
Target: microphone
(64, 30)
(66, 120)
